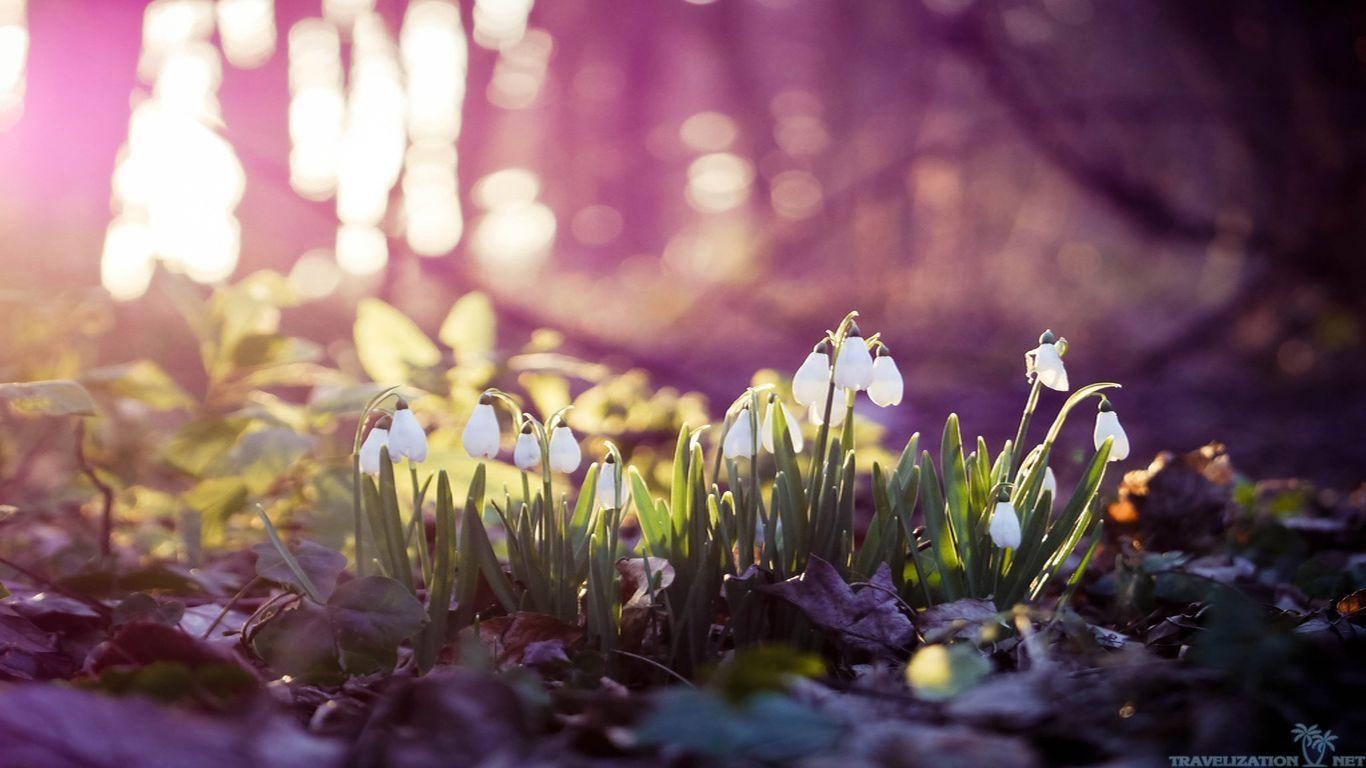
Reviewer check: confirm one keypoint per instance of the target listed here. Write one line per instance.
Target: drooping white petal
(606, 494)
(1107, 425)
(770, 437)
(739, 442)
(887, 386)
(1005, 526)
(480, 437)
(1050, 482)
(377, 440)
(565, 454)
(816, 413)
(810, 382)
(526, 454)
(1049, 368)
(407, 439)
(854, 365)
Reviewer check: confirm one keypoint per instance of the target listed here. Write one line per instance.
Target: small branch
(107, 516)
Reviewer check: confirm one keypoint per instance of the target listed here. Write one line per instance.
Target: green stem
(420, 525)
(1016, 447)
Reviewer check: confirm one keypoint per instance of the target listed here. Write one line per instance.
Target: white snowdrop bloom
(481, 435)
(1047, 363)
(1050, 482)
(1005, 525)
(739, 442)
(768, 431)
(407, 439)
(887, 386)
(526, 454)
(1107, 425)
(370, 450)
(565, 454)
(854, 364)
(816, 413)
(810, 382)
(608, 476)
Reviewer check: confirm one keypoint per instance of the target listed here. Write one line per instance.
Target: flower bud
(769, 429)
(407, 439)
(1108, 426)
(565, 454)
(608, 477)
(526, 454)
(370, 455)
(739, 442)
(854, 364)
(812, 379)
(1005, 525)
(481, 435)
(887, 387)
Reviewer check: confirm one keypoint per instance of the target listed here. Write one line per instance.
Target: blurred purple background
(1178, 188)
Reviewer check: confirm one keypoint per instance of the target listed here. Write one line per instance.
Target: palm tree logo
(1314, 744)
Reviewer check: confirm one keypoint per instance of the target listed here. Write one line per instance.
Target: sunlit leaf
(143, 381)
(48, 398)
(389, 345)
(938, 672)
(469, 328)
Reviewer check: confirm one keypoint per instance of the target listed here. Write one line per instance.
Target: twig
(226, 608)
(656, 665)
(107, 516)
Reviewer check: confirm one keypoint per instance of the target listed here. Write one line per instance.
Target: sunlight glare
(246, 29)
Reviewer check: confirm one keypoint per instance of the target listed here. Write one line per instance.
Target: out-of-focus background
(700, 188)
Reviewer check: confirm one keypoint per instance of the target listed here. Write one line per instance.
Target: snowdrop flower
(739, 442)
(407, 439)
(887, 386)
(608, 476)
(565, 454)
(1046, 362)
(375, 442)
(1050, 483)
(1005, 524)
(768, 430)
(526, 454)
(481, 435)
(816, 413)
(1107, 425)
(854, 364)
(811, 381)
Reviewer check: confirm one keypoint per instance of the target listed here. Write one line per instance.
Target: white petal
(739, 442)
(526, 454)
(887, 386)
(1005, 526)
(1048, 365)
(816, 412)
(376, 441)
(407, 440)
(606, 495)
(1107, 425)
(810, 382)
(854, 366)
(794, 430)
(565, 454)
(480, 437)
(1050, 482)
(767, 440)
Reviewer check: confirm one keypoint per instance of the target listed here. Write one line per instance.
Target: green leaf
(143, 381)
(389, 345)
(370, 616)
(198, 445)
(939, 672)
(215, 500)
(261, 457)
(469, 329)
(320, 566)
(300, 642)
(48, 398)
